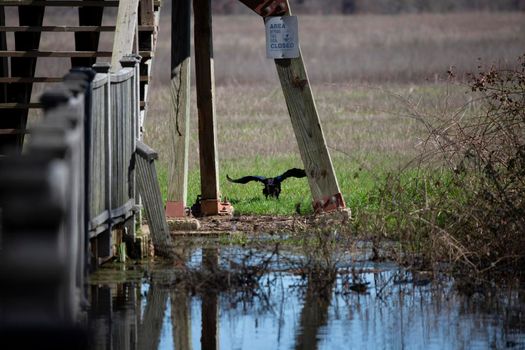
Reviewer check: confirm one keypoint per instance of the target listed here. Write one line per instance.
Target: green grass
(357, 185)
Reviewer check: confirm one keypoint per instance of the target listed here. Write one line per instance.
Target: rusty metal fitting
(211, 207)
(266, 8)
(328, 204)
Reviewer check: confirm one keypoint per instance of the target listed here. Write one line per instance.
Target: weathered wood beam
(310, 138)
(149, 190)
(67, 29)
(35, 53)
(4, 66)
(180, 107)
(124, 32)
(204, 71)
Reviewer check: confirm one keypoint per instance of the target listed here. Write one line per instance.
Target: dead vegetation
(463, 204)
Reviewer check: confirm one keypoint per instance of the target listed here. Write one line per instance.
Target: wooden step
(23, 80)
(61, 3)
(64, 3)
(32, 105)
(13, 131)
(37, 53)
(150, 28)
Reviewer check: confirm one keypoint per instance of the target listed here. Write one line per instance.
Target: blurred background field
(368, 73)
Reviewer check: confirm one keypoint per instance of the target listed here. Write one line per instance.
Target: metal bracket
(210, 207)
(329, 204)
(266, 8)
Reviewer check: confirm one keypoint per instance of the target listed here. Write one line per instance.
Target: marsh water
(222, 299)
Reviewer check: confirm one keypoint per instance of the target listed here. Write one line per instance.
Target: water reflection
(396, 310)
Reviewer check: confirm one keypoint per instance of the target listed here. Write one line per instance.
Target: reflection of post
(313, 316)
(181, 310)
(100, 316)
(210, 331)
(122, 319)
(149, 333)
(181, 319)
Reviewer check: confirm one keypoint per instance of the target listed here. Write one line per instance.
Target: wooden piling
(204, 71)
(179, 123)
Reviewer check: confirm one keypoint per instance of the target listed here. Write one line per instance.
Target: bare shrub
(465, 201)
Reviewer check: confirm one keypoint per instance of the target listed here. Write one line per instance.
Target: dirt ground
(253, 224)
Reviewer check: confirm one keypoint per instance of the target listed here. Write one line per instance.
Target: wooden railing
(114, 129)
(43, 255)
(70, 201)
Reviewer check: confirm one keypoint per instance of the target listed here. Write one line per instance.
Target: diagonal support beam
(305, 121)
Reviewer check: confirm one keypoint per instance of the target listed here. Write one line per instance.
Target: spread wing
(291, 173)
(246, 179)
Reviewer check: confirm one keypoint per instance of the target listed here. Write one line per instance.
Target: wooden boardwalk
(71, 186)
(70, 201)
(18, 57)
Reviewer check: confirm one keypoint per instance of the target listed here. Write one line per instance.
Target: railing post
(133, 61)
(42, 199)
(103, 243)
(79, 82)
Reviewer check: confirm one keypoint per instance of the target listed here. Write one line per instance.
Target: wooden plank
(146, 16)
(66, 3)
(147, 12)
(69, 29)
(179, 123)
(13, 131)
(14, 105)
(55, 54)
(34, 54)
(149, 189)
(40, 3)
(22, 80)
(307, 127)
(206, 100)
(87, 41)
(21, 67)
(4, 65)
(124, 32)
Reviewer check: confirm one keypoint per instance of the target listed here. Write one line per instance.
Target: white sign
(282, 37)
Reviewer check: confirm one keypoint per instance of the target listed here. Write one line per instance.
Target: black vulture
(272, 185)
